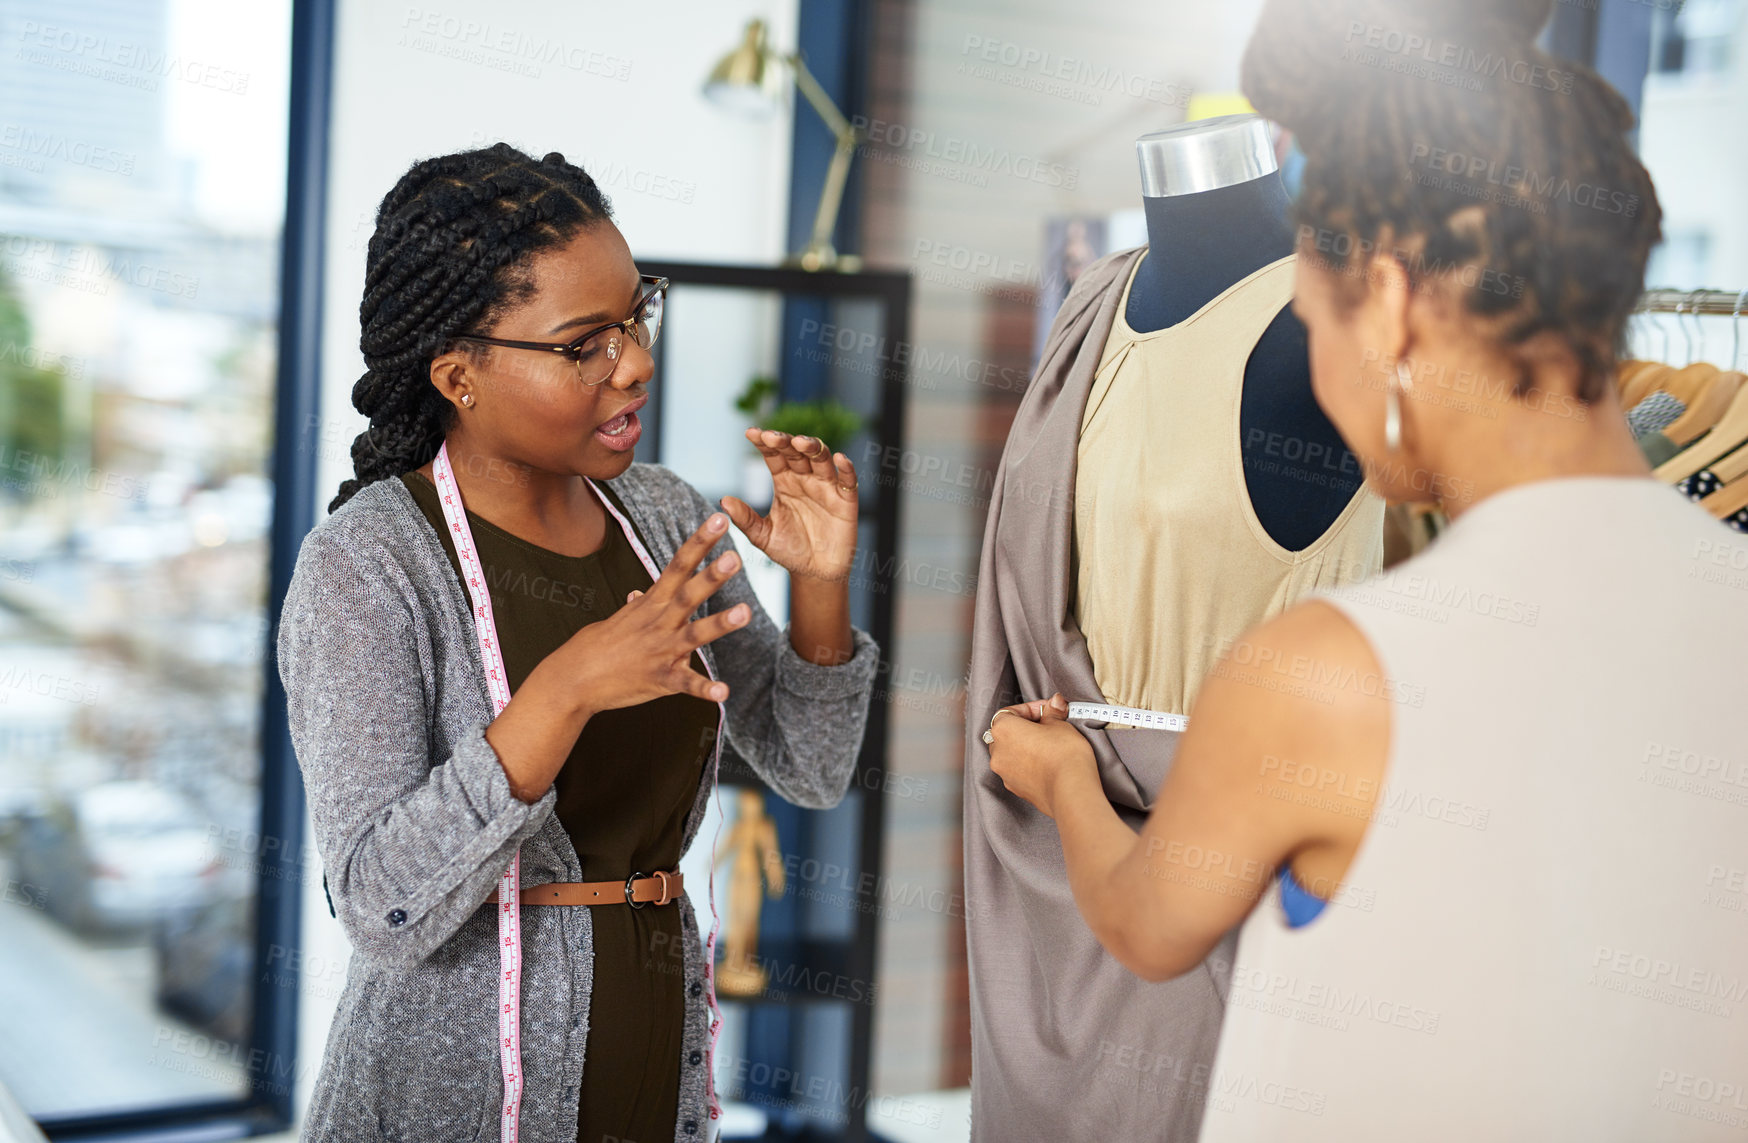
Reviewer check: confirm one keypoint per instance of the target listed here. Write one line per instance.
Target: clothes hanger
(1707, 407)
(1685, 383)
(1628, 371)
(1643, 384)
(1728, 500)
(1730, 468)
(1730, 432)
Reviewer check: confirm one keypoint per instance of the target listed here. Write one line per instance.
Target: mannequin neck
(1199, 244)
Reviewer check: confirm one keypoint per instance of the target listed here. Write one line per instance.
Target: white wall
(621, 96)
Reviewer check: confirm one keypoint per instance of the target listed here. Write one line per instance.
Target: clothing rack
(1720, 303)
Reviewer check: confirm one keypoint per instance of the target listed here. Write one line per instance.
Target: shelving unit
(784, 1031)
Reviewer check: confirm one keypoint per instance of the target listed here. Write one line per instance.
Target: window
(142, 176)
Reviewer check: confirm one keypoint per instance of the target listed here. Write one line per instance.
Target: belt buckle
(667, 894)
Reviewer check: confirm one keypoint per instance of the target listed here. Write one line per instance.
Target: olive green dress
(623, 797)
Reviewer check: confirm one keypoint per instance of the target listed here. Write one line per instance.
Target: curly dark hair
(1437, 130)
(450, 254)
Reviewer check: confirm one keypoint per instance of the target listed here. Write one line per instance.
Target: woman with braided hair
(509, 653)
(1469, 814)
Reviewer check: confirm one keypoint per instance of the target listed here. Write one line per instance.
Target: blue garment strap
(1297, 902)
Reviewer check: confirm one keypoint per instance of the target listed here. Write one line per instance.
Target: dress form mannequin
(1217, 211)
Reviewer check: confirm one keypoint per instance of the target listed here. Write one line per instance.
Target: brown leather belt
(637, 890)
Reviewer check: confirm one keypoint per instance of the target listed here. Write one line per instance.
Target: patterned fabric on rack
(1700, 485)
(1654, 413)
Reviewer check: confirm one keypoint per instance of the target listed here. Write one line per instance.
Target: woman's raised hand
(811, 528)
(643, 650)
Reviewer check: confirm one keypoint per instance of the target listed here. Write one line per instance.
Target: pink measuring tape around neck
(509, 885)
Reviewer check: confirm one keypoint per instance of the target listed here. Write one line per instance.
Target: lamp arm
(821, 102)
(837, 174)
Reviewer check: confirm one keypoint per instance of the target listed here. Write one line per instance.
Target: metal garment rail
(1718, 303)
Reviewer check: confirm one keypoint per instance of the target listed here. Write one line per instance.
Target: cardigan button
(696, 1058)
(691, 1127)
(697, 988)
(397, 916)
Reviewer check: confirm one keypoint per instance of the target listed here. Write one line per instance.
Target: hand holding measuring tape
(1031, 752)
(1030, 761)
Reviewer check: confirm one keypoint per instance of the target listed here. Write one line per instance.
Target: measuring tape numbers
(1127, 716)
(509, 886)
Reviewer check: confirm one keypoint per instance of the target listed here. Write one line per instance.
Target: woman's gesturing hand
(643, 650)
(811, 528)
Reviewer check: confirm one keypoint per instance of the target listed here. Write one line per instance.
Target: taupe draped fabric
(1066, 1043)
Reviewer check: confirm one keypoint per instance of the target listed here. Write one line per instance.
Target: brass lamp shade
(744, 78)
(750, 79)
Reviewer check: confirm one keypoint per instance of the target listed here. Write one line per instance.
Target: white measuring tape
(1127, 716)
(509, 886)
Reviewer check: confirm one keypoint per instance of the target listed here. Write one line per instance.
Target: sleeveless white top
(1544, 934)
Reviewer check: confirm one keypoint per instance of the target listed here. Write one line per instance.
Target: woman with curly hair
(509, 653)
(1472, 814)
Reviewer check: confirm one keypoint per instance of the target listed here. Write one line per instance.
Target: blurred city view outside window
(1695, 96)
(142, 178)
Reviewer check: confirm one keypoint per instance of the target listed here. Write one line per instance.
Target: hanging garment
(1066, 1043)
(1700, 485)
(1171, 562)
(1655, 413)
(1553, 943)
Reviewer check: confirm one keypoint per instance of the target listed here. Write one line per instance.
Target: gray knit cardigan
(415, 822)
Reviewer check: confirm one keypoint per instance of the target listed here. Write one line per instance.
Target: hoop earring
(1404, 380)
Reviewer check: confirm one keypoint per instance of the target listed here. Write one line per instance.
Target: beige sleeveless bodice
(1171, 563)
(1544, 933)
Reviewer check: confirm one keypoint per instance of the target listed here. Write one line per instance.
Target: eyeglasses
(596, 353)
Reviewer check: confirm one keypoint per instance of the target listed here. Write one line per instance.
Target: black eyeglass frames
(596, 352)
